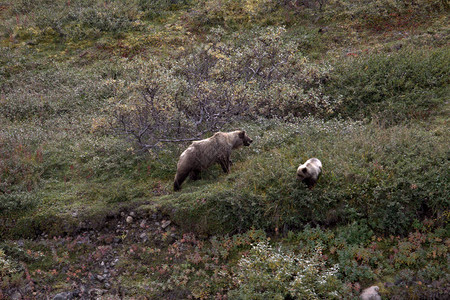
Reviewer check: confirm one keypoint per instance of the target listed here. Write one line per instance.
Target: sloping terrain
(99, 98)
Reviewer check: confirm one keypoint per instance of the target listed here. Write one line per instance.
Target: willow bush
(200, 89)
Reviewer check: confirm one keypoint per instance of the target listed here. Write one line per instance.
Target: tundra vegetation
(99, 98)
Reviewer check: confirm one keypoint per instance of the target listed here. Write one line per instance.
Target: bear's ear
(242, 134)
(304, 170)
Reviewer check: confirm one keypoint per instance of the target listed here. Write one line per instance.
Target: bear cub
(200, 155)
(309, 172)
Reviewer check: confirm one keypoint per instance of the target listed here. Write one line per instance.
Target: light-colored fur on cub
(202, 154)
(309, 172)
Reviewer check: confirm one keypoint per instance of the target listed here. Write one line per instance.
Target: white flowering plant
(268, 273)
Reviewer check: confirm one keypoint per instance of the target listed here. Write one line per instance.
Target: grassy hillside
(96, 98)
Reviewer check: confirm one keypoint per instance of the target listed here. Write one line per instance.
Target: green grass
(406, 85)
(370, 173)
(372, 93)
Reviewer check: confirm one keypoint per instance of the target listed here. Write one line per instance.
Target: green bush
(204, 87)
(160, 8)
(267, 273)
(76, 20)
(230, 13)
(17, 202)
(384, 14)
(6, 266)
(382, 178)
(392, 88)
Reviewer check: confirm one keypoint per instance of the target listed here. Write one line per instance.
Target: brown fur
(200, 155)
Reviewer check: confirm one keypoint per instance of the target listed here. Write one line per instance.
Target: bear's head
(246, 140)
(302, 173)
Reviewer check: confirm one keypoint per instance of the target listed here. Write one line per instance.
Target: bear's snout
(248, 142)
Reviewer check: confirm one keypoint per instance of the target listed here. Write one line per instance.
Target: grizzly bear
(309, 172)
(202, 154)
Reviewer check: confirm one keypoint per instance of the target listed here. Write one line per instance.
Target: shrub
(19, 165)
(7, 267)
(205, 87)
(229, 13)
(384, 179)
(16, 202)
(160, 8)
(392, 88)
(268, 273)
(384, 14)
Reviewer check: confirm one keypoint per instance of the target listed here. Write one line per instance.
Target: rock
(370, 293)
(164, 224)
(132, 214)
(100, 278)
(96, 292)
(143, 224)
(63, 296)
(143, 235)
(16, 296)
(129, 219)
(82, 289)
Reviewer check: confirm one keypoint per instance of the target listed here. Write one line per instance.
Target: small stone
(165, 224)
(102, 263)
(114, 262)
(63, 296)
(100, 278)
(96, 292)
(143, 223)
(107, 285)
(143, 235)
(129, 219)
(132, 213)
(371, 293)
(16, 296)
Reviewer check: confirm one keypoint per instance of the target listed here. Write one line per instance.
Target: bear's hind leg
(179, 178)
(194, 175)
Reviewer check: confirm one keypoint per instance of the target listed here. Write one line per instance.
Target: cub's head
(302, 172)
(246, 140)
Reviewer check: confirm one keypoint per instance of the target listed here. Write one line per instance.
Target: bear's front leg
(225, 164)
